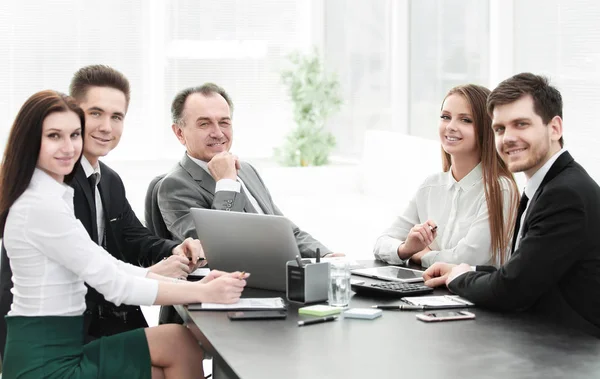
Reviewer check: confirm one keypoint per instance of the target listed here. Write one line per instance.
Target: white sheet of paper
(438, 301)
(246, 303)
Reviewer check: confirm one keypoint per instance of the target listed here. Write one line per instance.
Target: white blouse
(51, 256)
(460, 211)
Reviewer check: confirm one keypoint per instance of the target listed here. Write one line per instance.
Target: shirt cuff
(144, 291)
(393, 258)
(456, 276)
(429, 258)
(228, 185)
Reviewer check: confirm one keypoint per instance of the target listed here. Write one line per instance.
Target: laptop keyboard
(399, 289)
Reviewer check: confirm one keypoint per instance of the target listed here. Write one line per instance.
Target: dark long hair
(24, 142)
(493, 169)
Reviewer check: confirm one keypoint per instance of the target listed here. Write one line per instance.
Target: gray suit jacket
(188, 186)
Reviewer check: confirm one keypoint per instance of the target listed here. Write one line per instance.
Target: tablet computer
(391, 273)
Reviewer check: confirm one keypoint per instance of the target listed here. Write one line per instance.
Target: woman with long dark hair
(51, 256)
(464, 214)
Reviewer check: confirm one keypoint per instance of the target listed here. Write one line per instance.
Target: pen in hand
(317, 320)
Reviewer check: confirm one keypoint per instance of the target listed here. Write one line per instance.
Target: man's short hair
(207, 89)
(98, 76)
(547, 100)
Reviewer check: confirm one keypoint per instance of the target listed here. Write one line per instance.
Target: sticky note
(364, 313)
(319, 310)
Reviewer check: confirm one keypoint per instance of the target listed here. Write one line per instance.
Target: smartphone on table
(257, 315)
(445, 316)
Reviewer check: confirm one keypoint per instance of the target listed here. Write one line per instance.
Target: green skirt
(53, 347)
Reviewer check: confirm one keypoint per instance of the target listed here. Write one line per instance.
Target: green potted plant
(315, 96)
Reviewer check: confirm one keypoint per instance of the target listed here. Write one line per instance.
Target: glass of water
(339, 283)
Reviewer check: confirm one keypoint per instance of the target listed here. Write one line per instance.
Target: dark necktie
(93, 179)
(522, 207)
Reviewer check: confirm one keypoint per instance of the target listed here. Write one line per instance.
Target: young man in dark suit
(554, 268)
(101, 206)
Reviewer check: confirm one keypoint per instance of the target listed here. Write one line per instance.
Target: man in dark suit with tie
(554, 268)
(209, 176)
(101, 206)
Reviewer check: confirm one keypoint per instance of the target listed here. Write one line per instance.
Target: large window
(398, 58)
(358, 46)
(162, 46)
(560, 39)
(449, 46)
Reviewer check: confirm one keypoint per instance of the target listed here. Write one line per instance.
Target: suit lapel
(246, 173)
(86, 209)
(197, 173)
(561, 163)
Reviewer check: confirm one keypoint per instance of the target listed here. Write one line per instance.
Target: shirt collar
(200, 163)
(534, 182)
(89, 170)
(47, 184)
(472, 178)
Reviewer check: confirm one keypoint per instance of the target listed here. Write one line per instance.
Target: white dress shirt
(230, 185)
(460, 211)
(89, 170)
(52, 255)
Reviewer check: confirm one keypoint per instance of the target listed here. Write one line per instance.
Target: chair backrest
(154, 220)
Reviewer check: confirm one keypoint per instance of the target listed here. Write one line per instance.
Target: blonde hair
(493, 168)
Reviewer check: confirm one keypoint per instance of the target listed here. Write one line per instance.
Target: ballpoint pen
(401, 307)
(317, 320)
(432, 228)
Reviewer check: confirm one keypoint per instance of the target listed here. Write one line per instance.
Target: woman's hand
(419, 237)
(223, 288)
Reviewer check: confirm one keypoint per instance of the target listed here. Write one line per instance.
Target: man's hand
(226, 288)
(224, 166)
(192, 249)
(176, 266)
(417, 258)
(419, 237)
(437, 274)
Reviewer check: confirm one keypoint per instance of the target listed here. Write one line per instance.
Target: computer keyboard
(399, 289)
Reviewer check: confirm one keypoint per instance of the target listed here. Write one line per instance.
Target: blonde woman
(464, 214)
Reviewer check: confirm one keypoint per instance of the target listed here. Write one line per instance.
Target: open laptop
(255, 243)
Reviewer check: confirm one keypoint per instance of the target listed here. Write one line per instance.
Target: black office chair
(154, 220)
(156, 224)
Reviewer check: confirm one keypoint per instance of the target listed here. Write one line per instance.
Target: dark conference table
(395, 345)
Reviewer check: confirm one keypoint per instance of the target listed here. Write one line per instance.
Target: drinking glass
(339, 283)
